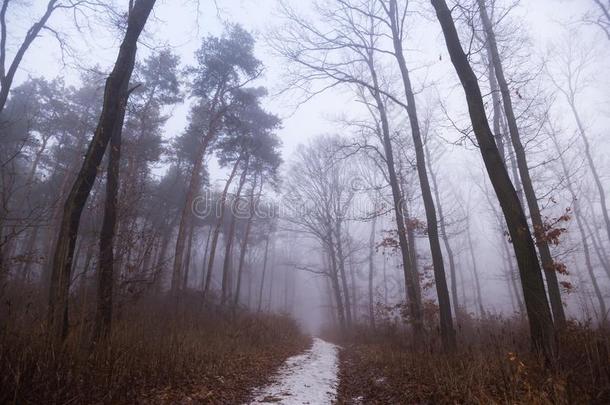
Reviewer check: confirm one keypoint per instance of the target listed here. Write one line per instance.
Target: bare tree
(599, 16)
(115, 99)
(577, 212)
(8, 67)
(572, 62)
(318, 55)
(540, 319)
(530, 195)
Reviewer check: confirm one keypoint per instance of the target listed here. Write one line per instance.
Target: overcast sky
(180, 24)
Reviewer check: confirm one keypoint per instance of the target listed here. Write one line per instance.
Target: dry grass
(154, 355)
(492, 366)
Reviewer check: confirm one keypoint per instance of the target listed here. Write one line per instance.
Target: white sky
(177, 24)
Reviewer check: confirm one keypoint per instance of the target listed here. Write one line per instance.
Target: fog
(348, 163)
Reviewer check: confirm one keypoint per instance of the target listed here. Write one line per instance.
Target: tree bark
(342, 273)
(219, 220)
(372, 271)
(540, 319)
(242, 254)
(411, 280)
(548, 264)
(475, 273)
(114, 99)
(260, 292)
(204, 265)
(226, 266)
(447, 331)
(187, 262)
(186, 216)
(105, 273)
(444, 236)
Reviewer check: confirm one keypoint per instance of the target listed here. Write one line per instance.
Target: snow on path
(308, 378)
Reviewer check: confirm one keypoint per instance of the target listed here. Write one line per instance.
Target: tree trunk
(342, 273)
(411, 280)
(444, 236)
(583, 235)
(221, 204)
(540, 319)
(242, 254)
(260, 293)
(105, 273)
(186, 216)
(598, 184)
(205, 258)
(447, 331)
(475, 273)
(496, 107)
(597, 245)
(372, 271)
(226, 266)
(509, 258)
(187, 262)
(114, 101)
(548, 264)
(7, 76)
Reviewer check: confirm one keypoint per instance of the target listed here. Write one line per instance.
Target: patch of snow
(308, 378)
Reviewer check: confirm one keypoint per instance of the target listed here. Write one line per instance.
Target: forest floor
(308, 378)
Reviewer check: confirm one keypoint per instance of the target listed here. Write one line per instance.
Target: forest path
(307, 378)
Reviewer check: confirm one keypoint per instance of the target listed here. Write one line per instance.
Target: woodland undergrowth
(156, 354)
(493, 365)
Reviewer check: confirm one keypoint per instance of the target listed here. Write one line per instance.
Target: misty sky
(181, 24)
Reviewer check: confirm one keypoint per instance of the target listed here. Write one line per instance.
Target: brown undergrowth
(155, 355)
(492, 366)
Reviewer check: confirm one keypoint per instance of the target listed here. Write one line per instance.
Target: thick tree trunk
(447, 331)
(513, 281)
(540, 319)
(114, 102)
(105, 273)
(548, 264)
